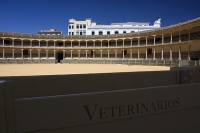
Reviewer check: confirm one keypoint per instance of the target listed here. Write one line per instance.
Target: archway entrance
(59, 57)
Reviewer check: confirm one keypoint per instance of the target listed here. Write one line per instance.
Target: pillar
(146, 40)
(13, 53)
(3, 53)
(138, 41)
(47, 43)
(131, 53)
(154, 53)
(131, 42)
(86, 44)
(171, 38)
(101, 43)
(179, 53)
(64, 43)
(79, 43)
(22, 43)
(63, 54)
(108, 54)
(13, 40)
(101, 54)
(3, 41)
(54, 54)
(22, 53)
(170, 53)
(116, 54)
(162, 38)
(86, 53)
(47, 54)
(54, 43)
(93, 53)
(154, 39)
(189, 52)
(138, 54)
(93, 43)
(123, 53)
(30, 50)
(146, 54)
(79, 54)
(31, 43)
(38, 53)
(162, 54)
(71, 53)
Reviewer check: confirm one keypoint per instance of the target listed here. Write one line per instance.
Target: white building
(88, 27)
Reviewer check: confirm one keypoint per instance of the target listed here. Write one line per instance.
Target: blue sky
(31, 16)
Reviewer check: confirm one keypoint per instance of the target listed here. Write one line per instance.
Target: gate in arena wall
(115, 102)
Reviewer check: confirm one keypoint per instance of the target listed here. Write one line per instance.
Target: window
(132, 31)
(69, 33)
(77, 33)
(124, 31)
(108, 32)
(81, 33)
(84, 26)
(77, 26)
(80, 26)
(93, 33)
(116, 32)
(100, 33)
(70, 27)
(84, 32)
(72, 33)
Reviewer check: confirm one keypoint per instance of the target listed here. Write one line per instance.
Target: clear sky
(31, 16)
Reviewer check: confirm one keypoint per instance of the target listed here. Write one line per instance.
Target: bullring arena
(134, 82)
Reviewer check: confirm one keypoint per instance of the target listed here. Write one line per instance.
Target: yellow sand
(62, 69)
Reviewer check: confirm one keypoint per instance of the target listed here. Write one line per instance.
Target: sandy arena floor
(61, 69)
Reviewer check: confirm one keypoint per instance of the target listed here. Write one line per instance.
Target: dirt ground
(63, 69)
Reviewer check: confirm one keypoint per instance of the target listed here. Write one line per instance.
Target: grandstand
(165, 46)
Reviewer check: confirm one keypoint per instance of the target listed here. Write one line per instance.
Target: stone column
(54, 43)
(3, 41)
(71, 43)
(123, 42)
(46, 43)
(101, 43)
(13, 40)
(108, 54)
(131, 42)
(93, 54)
(54, 54)
(154, 39)
(171, 38)
(189, 52)
(38, 53)
(79, 54)
(22, 43)
(146, 54)
(115, 43)
(179, 53)
(79, 43)
(162, 54)
(94, 43)
(47, 54)
(131, 53)
(154, 53)
(101, 54)
(63, 43)
(71, 53)
(162, 38)
(3, 53)
(115, 53)
(63, 54)
(86, 53)
(22, 53)
(170, 53)
(13, 53)
(138, 41)
(146, 40)
(86, 44)
(138, 54)
(39, 43)
(123, 53)
(30, 50)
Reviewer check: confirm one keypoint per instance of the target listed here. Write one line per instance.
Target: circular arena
(165, 46)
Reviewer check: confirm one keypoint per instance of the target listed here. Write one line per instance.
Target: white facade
(88, 27)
